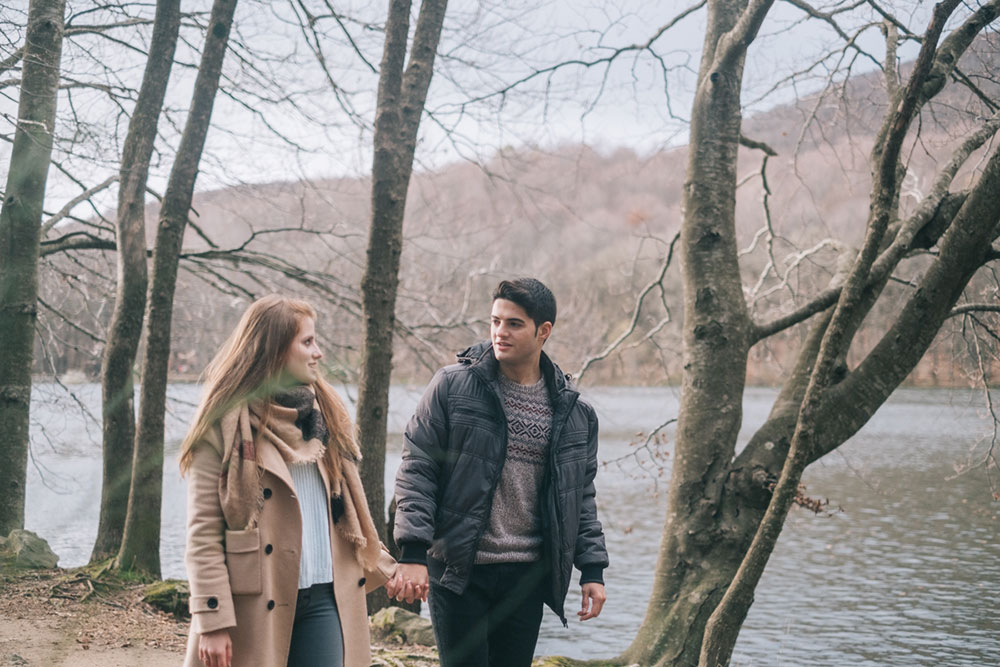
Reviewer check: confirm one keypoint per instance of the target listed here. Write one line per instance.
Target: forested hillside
(594, 224)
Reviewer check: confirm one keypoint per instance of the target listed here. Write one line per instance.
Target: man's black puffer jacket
(454, 449)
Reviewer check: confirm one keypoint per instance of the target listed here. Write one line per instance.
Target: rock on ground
(24, 549)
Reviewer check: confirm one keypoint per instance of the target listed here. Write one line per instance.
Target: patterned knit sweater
(514, 533)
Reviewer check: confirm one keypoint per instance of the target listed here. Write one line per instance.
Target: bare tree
(401, 97)
(140, 549)
(130, 295)
(725, 510)
(20, 227)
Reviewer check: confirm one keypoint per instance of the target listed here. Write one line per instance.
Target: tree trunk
(698, 549)
(130, 296)
(20, 228)
(401, 96)
(140, 550)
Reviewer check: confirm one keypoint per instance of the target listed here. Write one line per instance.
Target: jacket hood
(481, 355)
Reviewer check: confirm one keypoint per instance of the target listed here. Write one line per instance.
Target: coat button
(268, 549)
(267, 493)
(361, 581)
(270, 605)
(212, 603)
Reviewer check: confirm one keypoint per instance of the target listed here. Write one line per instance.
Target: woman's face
(302, 361)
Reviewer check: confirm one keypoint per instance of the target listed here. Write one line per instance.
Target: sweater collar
(480, 357)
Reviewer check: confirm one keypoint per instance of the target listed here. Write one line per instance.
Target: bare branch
(891, 69)
(340, 22)
(734, 43)
(10, 61)
(757, 145)
(989, 462)
(636, 312)
(974, 308)
(70, 322)
(768, 228)
(827, 17)
(908, 230)
(75, 241)
(588, 64)
(905, 236)
(655, 458)
(954, 45)
(71, 204)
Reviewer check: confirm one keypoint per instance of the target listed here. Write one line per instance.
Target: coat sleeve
(417, 481)
(591, 555)
(211, 599)
(385, 567)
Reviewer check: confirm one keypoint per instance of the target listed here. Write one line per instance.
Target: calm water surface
(903, 570)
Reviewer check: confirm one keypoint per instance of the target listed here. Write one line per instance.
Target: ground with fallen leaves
(66, 618)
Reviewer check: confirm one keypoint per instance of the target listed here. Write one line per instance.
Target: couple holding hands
(495, 498)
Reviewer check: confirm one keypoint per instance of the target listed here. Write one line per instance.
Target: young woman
(281, 548)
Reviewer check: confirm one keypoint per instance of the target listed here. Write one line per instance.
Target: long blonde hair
(250, 364)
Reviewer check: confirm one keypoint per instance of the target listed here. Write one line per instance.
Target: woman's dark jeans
(495, 622)
(317, 640)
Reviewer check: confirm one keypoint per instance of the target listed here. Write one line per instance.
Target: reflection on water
(905, 570)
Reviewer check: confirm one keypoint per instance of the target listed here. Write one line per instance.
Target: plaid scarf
(294, 425)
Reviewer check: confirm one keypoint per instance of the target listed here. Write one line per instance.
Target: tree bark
(140, 550)
(130, 296)
(401, 97)
(20, 229)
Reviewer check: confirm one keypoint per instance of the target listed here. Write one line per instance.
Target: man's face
(515, 338)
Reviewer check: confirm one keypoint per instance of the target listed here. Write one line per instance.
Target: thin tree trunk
(20, 229)
(130, 296)
(401, 97)
(140, 550)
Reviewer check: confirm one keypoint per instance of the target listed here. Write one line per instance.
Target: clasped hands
(409, 583)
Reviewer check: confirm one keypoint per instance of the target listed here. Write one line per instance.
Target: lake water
(903, 570)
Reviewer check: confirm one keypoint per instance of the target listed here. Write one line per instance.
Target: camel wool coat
(247, 580)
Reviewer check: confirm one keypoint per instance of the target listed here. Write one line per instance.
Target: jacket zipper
(554, 491)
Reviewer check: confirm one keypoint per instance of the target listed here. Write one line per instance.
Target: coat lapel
(270, 460)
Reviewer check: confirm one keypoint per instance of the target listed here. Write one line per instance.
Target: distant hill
(593, 225)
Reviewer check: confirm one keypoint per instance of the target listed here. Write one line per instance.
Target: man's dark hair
(536, 299)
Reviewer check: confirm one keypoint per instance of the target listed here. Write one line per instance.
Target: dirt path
(58, 618)
(54, 618)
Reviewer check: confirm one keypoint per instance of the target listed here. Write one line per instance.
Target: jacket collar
(480, 359)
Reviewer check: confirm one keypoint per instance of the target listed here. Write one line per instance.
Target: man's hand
(409, 583)
(215, 648)
(593, 601)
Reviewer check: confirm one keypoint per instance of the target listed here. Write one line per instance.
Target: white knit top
(316, 562)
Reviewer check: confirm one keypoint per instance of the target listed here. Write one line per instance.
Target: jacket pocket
(243, 561)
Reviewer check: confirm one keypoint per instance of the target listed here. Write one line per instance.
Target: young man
(495, 495)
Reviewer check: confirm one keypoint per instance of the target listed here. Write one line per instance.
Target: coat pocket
(243, 561)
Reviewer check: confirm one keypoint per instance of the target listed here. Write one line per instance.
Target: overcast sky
(640, 101)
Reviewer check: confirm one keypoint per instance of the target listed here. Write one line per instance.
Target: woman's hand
(215, 648)
(409, 583)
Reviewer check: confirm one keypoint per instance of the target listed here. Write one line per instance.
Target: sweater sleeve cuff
(592, 574)
(413, 552)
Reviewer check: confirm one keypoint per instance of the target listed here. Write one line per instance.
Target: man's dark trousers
(495, 621)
